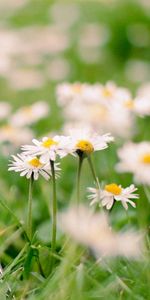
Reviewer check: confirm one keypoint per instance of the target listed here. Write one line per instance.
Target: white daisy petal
(113, 192)
(28, 165)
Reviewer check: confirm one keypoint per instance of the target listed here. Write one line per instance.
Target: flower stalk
(54, 213)
(29, 217)
(81, 157)
(93, 170)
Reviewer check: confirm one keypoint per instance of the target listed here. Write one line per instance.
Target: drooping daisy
(48, 147)
(111, 193)
(85, 141)
(94, 231)
(27, 115)
(135, 158)
(30, 166)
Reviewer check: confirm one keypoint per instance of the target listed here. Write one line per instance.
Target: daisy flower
(135, 158)
(111, 92)
(30, 166)
(142, 106)
(144, 90)
(81, 92)
(15, 135)
(85, 141)
(66, 92)
(94, 231)
(48, 147)
(102, 106)
(27, 115)
(111, 193)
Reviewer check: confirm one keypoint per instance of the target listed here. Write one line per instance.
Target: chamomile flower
(86, 141)
(15, 135)
(142, 106)
(110, 92)
(101, 106)
(111, 193)
(135, 158)
(27, 115)
(77, 92)
(94, 231)
(30, 166)
(48, 147)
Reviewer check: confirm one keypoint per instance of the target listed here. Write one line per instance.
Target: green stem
(29, 217)
(79, 177)
(54, 213)
(93, 170)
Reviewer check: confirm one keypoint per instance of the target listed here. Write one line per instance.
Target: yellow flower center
(7, 129)
(48, 143)
(77, 88)
(113, 188)
(107, 92)
(35, 162)
(27, 110)
(146, 158)
(129, 104)
(85, 146)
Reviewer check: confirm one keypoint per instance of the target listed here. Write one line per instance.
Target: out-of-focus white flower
(141, 106)
(144, 90)
(15, 135)
(93, 231)
(5, 109)
(64, 14)
(9, 7)
(58, 69)
(49, 147)
(27, 115)
(102, 94)
(87, 141)
(21, 79)
(104, 107)
(77, 91)
(135, 158)
(137, 70)
(111, 92)
(93, 35)
(30, 166)
(111, 193)
(43, 40)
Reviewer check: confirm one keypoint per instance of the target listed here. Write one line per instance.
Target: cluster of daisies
(106, 107)
(34, 160)
(96, 105)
